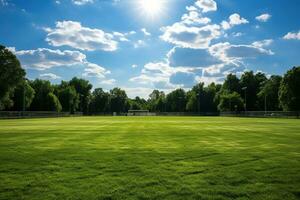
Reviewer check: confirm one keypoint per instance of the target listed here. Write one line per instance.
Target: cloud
(73, 34)
(108, 82)
(191, 57)
(94, 70)
(264, 17)
(134, 66)
(146, 33)
(49, 76)
(190, 37)
(139, 43)
(262, 43)
(234, 54)
(82, 2)
(234, 20)
(206, 5)
(43, 58)
(194, 17)
(292, 36)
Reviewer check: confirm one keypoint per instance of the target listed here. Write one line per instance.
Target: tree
(289, 92)
(99, 101)
(232, 84)
(230, 102)
(11, 75)
(44, 99)
(118, 100)
(157, 101)
(67, 96)
(252, 83)
(83, 89)
(23, 96)
(269, 93)
(176, 101)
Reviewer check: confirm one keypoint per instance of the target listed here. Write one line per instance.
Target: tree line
(251, 92)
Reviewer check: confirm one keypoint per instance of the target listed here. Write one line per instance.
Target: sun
(151, 8)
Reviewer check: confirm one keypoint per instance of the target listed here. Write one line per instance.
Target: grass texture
(150, 158)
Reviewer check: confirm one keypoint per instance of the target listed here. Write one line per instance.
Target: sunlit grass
(150, 158)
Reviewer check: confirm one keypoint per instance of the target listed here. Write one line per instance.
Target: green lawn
(150, 158)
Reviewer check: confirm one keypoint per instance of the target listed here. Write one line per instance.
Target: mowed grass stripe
(150, 158)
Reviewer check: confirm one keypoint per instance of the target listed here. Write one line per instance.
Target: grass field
(150, 158)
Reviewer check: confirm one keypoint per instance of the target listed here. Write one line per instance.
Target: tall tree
(67, 96)
(83, 88)
(23, 96)
(118, 100)
(11, 75)
(99, 101)
(230, 102)
(289, 92)
(251, 83)
(176, 101)
(44, 99)
(268, 95)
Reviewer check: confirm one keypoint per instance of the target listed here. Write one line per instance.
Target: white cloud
(94, 70)
(43, 58)
(190, 37)
(144, 30)
(73, 34)
(292, 36)
(262, 43)
(134, 66)
(236, 53)
(108, 82)
(194, 17)
(234, 19)
(264, 17)
(82, 2)
(139, 43)
(206, 5)
(49, 76)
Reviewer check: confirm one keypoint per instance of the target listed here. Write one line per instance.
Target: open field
(150, 158)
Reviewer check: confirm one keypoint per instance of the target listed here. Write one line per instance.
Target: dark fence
(46, 114)
(34, 114)
(265, 114)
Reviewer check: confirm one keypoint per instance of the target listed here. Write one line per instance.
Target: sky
(141, 45)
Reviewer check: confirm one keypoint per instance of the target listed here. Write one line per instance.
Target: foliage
(289, 93)
(118, 100)
(269, 93)
(23, 96)
(230, 102)
(67, 96)
(176, 101)
(100, 101)
(83, 89)
(11, 75)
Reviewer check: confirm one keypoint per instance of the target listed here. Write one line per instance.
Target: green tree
(230, 102)
(176, 101)
(83, 89)
(269, 93)
(118, 100)
(252, 83)
(52, 103)
(23, 96)
(44, 99)
(99, 101)
(289, 92)
(157, 101)
(67, 96)
(11, 75)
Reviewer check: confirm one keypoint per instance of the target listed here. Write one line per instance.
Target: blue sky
(141, 45)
